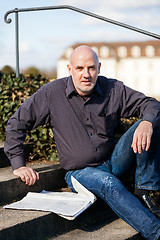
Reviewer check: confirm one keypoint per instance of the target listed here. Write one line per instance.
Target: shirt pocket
(106, 125)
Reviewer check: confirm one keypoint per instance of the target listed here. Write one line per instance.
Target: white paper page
(63, 203)
(82, 191)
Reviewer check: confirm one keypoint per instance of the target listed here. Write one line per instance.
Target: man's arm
(147, 109)
(134, 103)
(32, 113)
(142, 137)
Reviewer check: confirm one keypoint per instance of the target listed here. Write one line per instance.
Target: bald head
(81, 51)
(84, 68)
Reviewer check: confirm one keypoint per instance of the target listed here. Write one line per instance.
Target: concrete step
(11, 187)
(4, 161)
(113, 230)
(36, 225)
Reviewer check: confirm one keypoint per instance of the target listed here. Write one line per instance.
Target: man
(83, 111)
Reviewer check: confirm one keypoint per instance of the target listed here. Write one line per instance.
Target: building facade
(137, 64)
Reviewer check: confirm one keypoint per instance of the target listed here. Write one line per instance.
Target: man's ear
(99, 67)
(69, 69)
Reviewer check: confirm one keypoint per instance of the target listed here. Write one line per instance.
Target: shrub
(13, 92)
(7, 69)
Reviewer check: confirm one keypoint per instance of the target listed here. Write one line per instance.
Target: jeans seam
(157, 235)
(69, 173)
(139, 172)
(147, 188)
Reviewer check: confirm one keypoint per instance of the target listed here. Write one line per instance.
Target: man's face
(84, 69)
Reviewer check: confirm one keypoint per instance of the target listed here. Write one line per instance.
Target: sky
(44, 35)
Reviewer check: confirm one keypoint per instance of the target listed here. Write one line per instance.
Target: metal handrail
(16, 11)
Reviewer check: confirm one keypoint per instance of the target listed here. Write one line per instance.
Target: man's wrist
(149, 118)
(17, 162)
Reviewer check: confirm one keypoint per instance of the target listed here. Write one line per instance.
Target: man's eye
(79, 68)
(92, 67)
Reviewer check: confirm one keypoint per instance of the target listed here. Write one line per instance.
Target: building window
(104, 52)
(136, 51)
(122, 52)
(150, 51)
(68, 52)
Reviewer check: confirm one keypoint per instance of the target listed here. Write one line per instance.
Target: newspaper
(66, 204)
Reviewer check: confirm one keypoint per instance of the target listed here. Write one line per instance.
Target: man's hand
(142, 137)
(27, 175)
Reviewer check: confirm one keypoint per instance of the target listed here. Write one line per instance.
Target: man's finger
(144, 142)
(31, 177)
(22, 176)
(139, 144)
(34, 176)
(27, 179)
(148, 143)
(134, 144)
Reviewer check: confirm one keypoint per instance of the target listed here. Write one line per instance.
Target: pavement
(98, 222)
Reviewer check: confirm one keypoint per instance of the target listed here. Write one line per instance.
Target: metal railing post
(17, 42)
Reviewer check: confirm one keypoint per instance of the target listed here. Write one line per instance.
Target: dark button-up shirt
(83, 130)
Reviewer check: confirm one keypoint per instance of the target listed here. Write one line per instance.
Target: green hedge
(13, 92)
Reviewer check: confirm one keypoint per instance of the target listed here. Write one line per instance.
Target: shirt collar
(70, 87)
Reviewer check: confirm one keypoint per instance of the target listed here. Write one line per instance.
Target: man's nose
(86, 72)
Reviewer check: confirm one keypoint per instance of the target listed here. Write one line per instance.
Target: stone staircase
(97, 222)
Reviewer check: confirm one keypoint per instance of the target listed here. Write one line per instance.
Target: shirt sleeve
(135, 103)
(32, 113)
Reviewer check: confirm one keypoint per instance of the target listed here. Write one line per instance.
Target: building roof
(120, 49)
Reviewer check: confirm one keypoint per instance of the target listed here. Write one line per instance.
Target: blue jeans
(104, 182)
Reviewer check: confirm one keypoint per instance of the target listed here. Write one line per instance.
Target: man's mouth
(86, 81)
